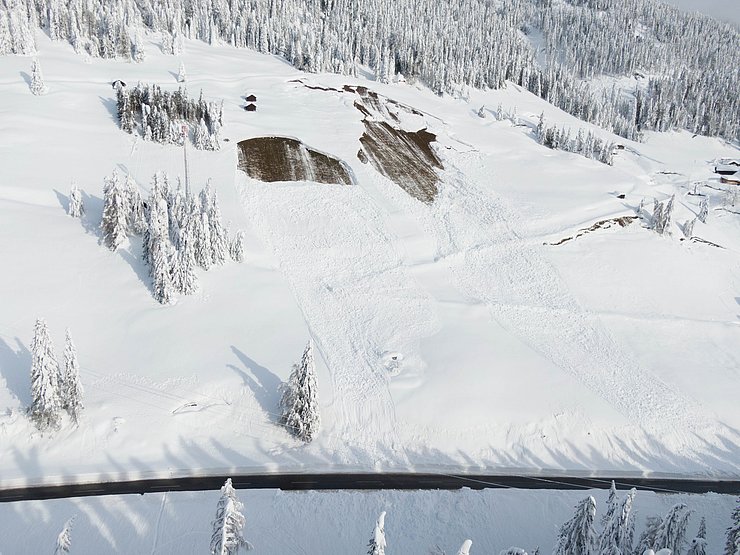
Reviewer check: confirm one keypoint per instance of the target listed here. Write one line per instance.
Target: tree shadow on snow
(63, 200)
(26, 78)
(263, 383)
(15, 367)
(112, 107)
(133, 259)
(93, 214)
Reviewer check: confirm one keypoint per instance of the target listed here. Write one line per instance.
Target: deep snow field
(617, 352)
(332, 523)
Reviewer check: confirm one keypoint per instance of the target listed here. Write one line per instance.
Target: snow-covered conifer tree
(115, 212)
(688, 228)
(236, 247)
(64, 539)
(577, 535)
(513, 551)
(136, 215)
(38, 87)
(181, 75)
(699, 543)
(228, 527)
(618, 522)
(138, 54)
(376, 546)
(465, 548)
(732, 543)
(184, 278)
(45, 380)
(299, 402)
(201, 137)
(202, 235)
(219, 245)
(76, 209)
(71, 387)
(672, 531)
(161, 253)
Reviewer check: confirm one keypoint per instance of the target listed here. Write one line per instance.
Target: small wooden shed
(251, 98)
(250, 107)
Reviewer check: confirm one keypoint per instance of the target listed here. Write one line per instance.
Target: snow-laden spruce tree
(203, 248)
(184, 278)
(612, 504)
(236, 247)
(46, 402)
(115, 212)
(618, 525)
(136, 213)
(201, 136)
(732, 544)
(64, 539)
(671, 533)
(513, 551)
(465, 548)
(181, 75)
(161, 254)
(577, 535)
(219, 243)
(299, 402)
(72, 391)
(228, 527)
(38, 87)
(75, 209)
(377, 544)
(699, 543)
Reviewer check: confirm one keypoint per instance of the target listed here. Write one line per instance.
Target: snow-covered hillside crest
(547, 47)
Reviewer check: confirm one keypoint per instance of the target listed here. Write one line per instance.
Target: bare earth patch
(285, 159)
(622, 221)
(405, 157)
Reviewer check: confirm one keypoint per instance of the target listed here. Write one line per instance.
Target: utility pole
(185, 156)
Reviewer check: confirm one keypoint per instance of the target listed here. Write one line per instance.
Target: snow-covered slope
(616, 351)
(279, 523)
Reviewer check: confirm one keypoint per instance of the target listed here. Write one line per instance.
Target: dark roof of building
(251, 98)
(250, 107)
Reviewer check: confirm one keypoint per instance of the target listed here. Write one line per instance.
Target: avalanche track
(355, 294)
(525, 294)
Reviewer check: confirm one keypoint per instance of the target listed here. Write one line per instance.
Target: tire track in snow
(526, 295)
(355, 295)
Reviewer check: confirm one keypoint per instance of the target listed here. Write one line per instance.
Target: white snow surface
(616, 352)
(299, 523)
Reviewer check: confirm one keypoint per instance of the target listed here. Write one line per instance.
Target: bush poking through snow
(703, 210)
(662, 215)
(377, 544)
(64, 539)
(75, 209)
(228, 527)
(299, 402)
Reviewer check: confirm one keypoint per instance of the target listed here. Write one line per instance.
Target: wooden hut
(251, 107)
(251, 98)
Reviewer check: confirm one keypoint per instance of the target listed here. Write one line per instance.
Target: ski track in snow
(492, 264)
(355, 294)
